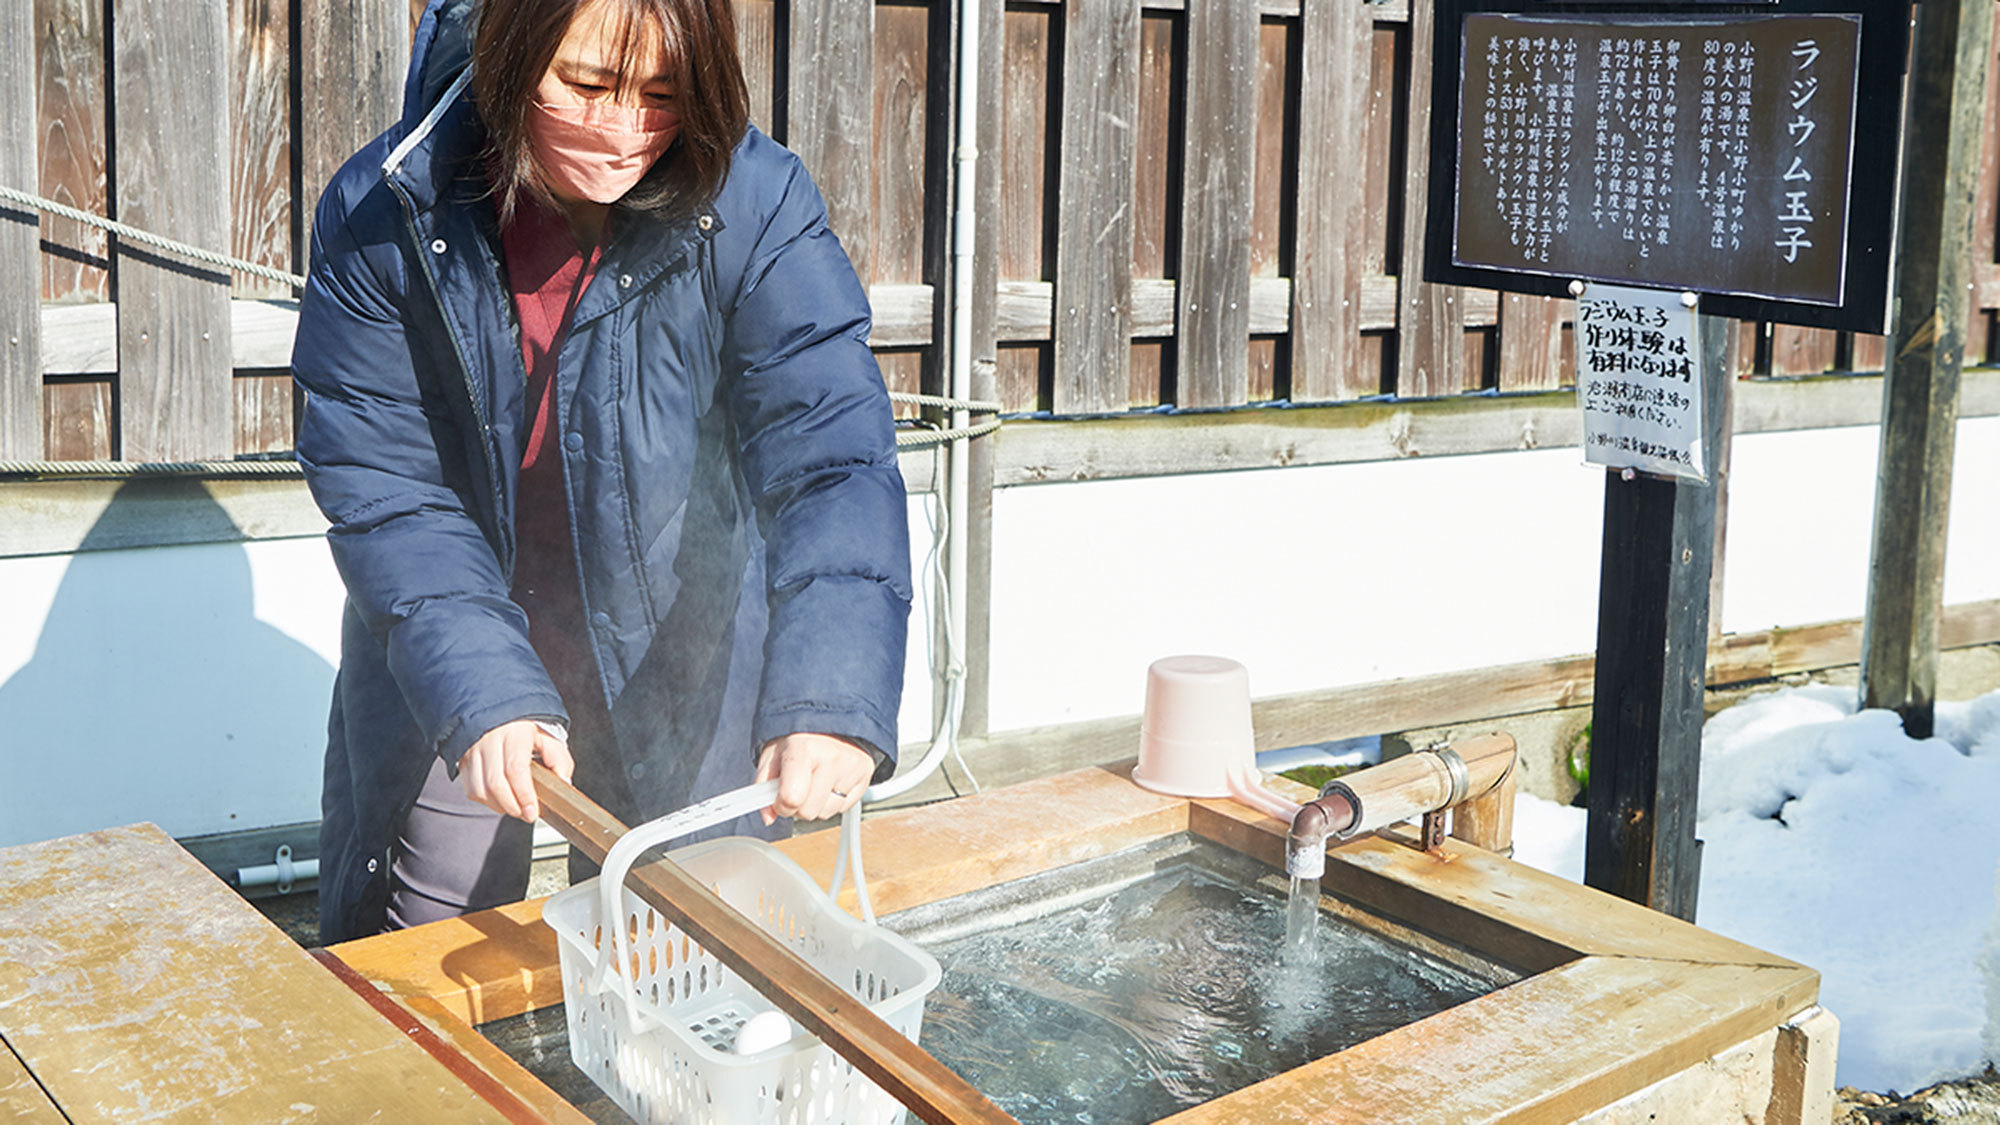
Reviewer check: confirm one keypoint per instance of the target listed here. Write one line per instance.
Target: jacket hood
(438, 126)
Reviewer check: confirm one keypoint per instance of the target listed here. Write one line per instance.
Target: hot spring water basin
(1513, 995)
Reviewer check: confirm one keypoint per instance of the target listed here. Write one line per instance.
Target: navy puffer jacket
(736, 511)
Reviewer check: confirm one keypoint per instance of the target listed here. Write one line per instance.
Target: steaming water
(1164, 994)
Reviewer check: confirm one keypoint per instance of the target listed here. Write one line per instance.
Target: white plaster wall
(188, 685)
(1311, 577)
(1801, 517)
(150, 685)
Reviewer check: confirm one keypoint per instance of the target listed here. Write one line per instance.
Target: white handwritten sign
(1638, 381)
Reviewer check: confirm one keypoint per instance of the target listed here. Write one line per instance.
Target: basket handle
(619, 859)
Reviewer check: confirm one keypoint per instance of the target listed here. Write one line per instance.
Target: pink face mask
(597, 152)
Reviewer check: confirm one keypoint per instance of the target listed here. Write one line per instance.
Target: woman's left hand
(819, 775)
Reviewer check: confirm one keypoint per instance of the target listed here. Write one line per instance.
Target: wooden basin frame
(1612, 998)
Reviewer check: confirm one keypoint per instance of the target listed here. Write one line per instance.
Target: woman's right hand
(494, 771)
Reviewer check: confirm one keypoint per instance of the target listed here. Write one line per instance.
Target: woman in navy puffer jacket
(609, 465)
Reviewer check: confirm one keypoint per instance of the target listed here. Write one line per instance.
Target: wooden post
(20, 241)
(1331, 257)
(352, 57)
(932, 1090)
(1926, 346)
(171, 176)
(1219, 162)
(1652, 655)
(830, 111)
(1092, 321)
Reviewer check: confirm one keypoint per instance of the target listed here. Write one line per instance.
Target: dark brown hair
(513, 43)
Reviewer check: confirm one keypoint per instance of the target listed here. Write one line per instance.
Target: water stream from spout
(1302, 922)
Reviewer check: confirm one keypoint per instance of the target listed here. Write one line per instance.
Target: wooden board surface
(828, 112)
(351, 58)
(260, 142)
(170, 71)
(1092, 315)
(70, 132)
(1550, 1048)
(1333, 231)
(22, 1099)
(1217, 205)
(135, 984)
(20, 246)
(1430, 343)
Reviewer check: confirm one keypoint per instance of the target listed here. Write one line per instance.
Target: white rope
(926, 439)
(906, 439)
(134, 234)
(71, 469)
(945, 402)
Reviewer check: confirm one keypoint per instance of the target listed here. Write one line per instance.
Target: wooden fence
(1194, 203)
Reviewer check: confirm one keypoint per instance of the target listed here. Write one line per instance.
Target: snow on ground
(1831, 838)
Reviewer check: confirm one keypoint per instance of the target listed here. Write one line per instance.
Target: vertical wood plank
(756, 31)
(260, 126)
(898, 211)
(263, 411)
(79, 420)
(1018, 380)
(1530, 343)
(1156, 190)
(1218, 201)
(1430, 349)
(352, 55)
(1262, 357)
(1276, 125)
(70, 124)
(1388, 74)
(1868, 353)
(1027, 62)
(1336, 73)
(1271, 219)
(978, 640)
(828, 112)
(20, 243)
(1093, 293)
(1155, 181)
(902, 371)
(171, 81)
(1802, 351)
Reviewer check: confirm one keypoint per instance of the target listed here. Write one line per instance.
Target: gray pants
(455, 855)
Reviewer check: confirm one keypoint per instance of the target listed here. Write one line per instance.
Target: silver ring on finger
(839, 794)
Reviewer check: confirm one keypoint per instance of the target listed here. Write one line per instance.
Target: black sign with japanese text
(1749, 157)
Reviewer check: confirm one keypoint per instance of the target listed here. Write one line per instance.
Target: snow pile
(1833, 839)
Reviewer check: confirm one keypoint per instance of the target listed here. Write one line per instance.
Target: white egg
(762, 1032)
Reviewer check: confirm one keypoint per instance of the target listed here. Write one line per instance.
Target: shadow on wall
(154, 692)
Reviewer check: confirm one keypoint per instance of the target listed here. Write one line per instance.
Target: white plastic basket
(658, 1031)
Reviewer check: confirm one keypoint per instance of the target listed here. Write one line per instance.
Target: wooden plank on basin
(22, 1099)
(480, 967)
(133, 984)
(1492, 905)
(1550, 1048)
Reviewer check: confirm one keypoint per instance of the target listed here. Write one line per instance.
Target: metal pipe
(1428, 781)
